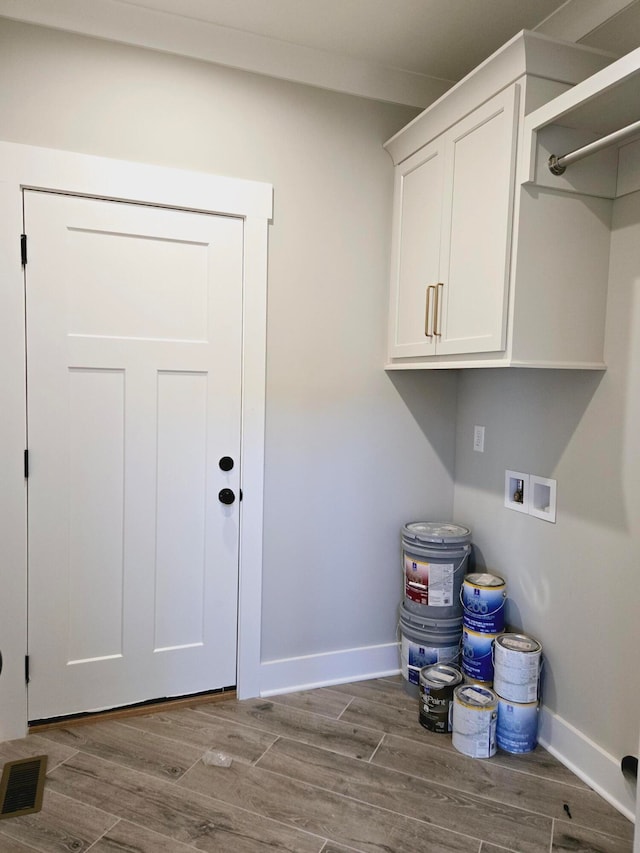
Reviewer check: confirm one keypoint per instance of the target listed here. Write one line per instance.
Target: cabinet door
(476, 234)
(415, 258)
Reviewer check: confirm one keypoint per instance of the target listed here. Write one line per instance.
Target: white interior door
(134, 374)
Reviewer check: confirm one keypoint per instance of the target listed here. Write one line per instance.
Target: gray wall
(347, 460)
(574, 585)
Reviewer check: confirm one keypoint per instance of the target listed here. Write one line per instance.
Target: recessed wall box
(542, 498)
(516, 491)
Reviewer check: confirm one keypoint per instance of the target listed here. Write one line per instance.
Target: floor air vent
(22, 786)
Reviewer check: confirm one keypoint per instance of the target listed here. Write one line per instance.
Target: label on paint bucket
(429, 583)
(415, 656)
(517, 726)
(477, 654)
(474, 721)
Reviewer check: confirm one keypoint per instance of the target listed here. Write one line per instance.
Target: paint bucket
(483, 599)
(434, 559)
(475, 712)
(424, 642)
(437, 683)
(477, 655)
(517, 726)
(517, 661)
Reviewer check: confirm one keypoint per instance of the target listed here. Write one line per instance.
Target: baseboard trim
(600, 770)
(307, 672)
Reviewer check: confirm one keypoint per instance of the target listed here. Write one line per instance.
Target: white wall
(574, 585)
(347, 461)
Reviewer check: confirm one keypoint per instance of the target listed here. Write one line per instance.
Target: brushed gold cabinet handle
(427, 333)
(436, 311)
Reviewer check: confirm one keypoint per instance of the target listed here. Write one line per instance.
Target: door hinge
(26, 668)
(26, 464)
(23, 249)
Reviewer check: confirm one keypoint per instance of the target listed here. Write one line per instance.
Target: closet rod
(557, 165)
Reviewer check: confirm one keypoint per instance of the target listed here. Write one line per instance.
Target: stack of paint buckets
(483, 607)
(434, 560)
(518, 660)
(475, 704)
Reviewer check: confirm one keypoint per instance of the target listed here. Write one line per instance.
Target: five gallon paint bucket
(475, 713)
(517, 667)
(434, 556)
(437, 683)
(426, 641)
(517, 726)
(483, 601)
(477, 655)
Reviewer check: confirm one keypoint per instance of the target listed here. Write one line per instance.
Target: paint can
(475, 713)
(483, 602)
(517, 661)
(517, 726)
(477, 655)
(437, 683)
(425, 641)
(434, 559)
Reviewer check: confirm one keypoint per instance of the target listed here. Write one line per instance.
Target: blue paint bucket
(517, 728)
(483, 602)
(424, 642)
(477, 655)
(434, 560)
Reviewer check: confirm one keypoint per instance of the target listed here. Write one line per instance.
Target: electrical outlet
(478, 439)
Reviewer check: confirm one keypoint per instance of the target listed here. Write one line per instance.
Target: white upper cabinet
(460, 293)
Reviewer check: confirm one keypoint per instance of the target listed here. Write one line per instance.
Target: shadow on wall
(431, 398)
(568, 425)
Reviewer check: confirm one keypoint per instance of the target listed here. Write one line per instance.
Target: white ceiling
(408, 51)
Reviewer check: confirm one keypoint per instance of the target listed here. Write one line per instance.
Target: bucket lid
(475, 696)
(422, 623)
(440, 675)
(484, 580)
(438, 532)
(519, 643)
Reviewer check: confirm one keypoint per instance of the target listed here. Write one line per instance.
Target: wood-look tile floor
(346, 768)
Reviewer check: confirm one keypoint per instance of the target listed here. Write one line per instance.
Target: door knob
(226, 496)
(226, 463)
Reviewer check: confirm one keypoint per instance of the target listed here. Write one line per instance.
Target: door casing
(21, 167)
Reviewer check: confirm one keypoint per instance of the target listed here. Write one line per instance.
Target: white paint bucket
(517, 726)
(483, 597)
(475, 713)
(517, 661)
(434, 559)
(425, 642)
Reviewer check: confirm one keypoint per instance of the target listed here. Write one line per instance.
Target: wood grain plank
(418, 798)
(32, 745)
(124, 745)
(567, 837)
(10, 845)
(490, 780)
(323, 701)
(391, 719)
(344, 738)
(126, 837)
(390, 693)
(60, 826)
(205, 732)
(342, 820)
(182, 815)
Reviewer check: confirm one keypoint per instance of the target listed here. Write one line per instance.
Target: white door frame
(21, 167)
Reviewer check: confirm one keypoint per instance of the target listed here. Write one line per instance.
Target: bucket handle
(489, 613)
(457, 568)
